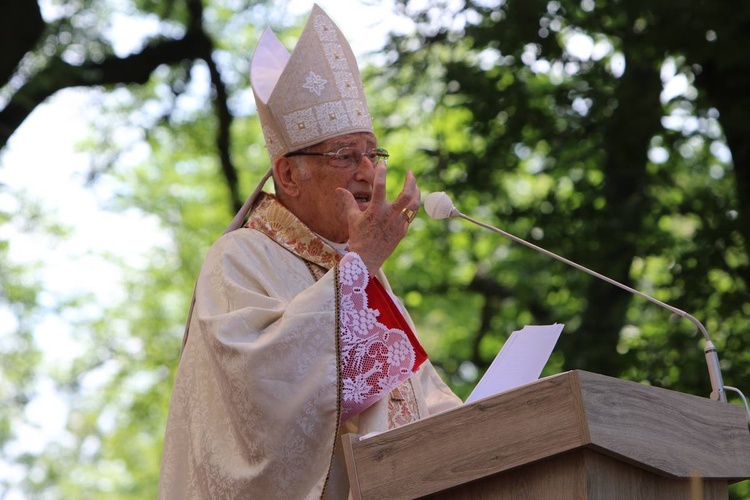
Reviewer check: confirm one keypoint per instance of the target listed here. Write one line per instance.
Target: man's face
(319, 204)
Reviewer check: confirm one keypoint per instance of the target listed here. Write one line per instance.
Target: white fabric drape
(255, 405)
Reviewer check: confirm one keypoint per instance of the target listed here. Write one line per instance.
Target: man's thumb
(347, 201)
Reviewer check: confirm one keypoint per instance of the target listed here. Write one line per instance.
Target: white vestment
(259, 395)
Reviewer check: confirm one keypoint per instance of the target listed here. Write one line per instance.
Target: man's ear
(286, 176)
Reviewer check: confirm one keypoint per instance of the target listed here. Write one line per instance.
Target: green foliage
(21, 311)
(578, 152)
(156, 144)
(556, 147)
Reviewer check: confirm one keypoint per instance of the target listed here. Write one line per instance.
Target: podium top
(670, 433)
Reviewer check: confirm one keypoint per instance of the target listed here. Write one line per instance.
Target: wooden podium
(574, 435)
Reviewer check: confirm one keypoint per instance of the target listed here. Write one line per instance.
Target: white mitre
(303, 98)
(314, 94)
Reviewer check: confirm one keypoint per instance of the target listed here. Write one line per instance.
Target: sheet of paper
(520, 360)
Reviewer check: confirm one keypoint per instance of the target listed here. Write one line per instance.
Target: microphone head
(439, 205)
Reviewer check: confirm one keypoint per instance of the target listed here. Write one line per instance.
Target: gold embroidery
(402, 405)
(396, 395)
(273, 219)
(339, 382)
(316, 272)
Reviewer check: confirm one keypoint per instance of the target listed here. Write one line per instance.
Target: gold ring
(410, 214)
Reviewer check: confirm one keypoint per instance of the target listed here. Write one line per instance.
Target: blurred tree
(570, 136)
(19, 308)
(76, 50)
(554, 120)
(606, 131)
(169, 112)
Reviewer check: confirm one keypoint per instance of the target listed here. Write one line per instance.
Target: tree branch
(221, 106)
(21, 26)
(58, 75)
(223, 137)
(133, 69)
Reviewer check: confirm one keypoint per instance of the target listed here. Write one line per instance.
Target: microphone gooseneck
(438, 205)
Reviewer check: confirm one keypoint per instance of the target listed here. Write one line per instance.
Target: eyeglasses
(346, 158)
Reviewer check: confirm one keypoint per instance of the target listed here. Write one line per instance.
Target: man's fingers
(347, 202)
(410, 186)
(409, 197)
(378, 185)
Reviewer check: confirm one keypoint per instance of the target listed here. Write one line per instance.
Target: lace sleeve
(378, 349)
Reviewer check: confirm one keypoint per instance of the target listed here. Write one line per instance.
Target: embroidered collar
(272, 218)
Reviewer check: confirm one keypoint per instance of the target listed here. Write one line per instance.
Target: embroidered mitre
(313, 94)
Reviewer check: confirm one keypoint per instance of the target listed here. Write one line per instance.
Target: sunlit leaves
(583, 127)
(548, 152)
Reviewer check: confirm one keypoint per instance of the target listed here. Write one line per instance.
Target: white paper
(520, 361)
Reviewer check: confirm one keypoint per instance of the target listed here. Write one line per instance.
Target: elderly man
(295, 337)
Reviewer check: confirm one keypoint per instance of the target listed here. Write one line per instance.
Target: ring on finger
(409, 214)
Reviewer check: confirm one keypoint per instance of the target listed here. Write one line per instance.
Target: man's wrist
(371, 264)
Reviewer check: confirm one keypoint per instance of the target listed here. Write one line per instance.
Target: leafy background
(611, 132)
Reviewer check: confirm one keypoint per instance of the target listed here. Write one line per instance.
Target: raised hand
(375, 233)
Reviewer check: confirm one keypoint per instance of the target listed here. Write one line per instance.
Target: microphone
(439, 206)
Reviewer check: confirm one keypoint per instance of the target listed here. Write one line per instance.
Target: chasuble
(291, 344)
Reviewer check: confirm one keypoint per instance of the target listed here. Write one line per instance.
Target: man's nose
(365, 169)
